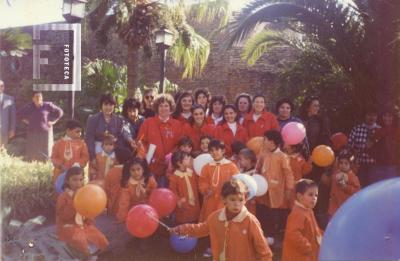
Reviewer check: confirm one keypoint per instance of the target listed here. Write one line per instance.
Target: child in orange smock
(183, 182)
(104, 159)
(77, 231)
(69, 150)
(212, 177)
(247, 165)
(235, 233)
(344, 183)
(303, 236)
(136, 186)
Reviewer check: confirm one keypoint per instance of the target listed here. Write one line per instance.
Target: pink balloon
(293, 133)
(142, 220)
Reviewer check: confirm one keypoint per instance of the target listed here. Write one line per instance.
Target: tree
(135, 23)
(360, 37)
(13, 42)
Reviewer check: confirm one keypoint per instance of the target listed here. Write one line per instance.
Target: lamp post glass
(164, 37)
(74, 10)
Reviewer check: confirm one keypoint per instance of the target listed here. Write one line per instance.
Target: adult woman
(184, 104)
(217, 103)
(198, 127)
(149, 95)
(160, 135)
(385, 148)
(102, 123)
(39, 116)
(259, 120)
(243, 104)
(230, 130)
(202, 97)
(284, 109)
(132, 121)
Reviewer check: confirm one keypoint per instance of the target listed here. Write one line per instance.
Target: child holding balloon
(344, 183)
(136, 186)
(235, 233)
(303, 236)
(183, 182)
(77, 231)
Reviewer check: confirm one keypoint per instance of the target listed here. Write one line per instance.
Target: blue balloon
(182, 244)
(366, 226)
(60, 182)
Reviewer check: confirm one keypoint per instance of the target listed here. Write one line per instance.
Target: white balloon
(262, 184)
(200, 161)
(249, 182)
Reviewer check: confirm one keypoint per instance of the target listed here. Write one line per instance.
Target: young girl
(185, 144)
(204, 143)
(183, 182)
(236, 147)
(230, 130)
(298, 164)
(247, 165)
(69, 150)
(235, 233)
(112, 183)
(184, 104)
(344, 183)
(215, 110)
(136, 186)
(303, 236)
(213, 175)
(77, 231)
(104, 159)
(272, 208)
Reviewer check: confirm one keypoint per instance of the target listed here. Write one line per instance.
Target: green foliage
(169, 86)
(25, 187)
(13, 42)
(207, 11)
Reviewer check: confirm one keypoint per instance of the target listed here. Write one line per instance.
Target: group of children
(239, 228)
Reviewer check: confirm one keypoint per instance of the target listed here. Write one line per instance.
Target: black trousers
(272, 220)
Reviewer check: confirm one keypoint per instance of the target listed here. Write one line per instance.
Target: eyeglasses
(149, 97)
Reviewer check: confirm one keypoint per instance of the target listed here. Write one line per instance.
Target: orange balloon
(90, 200)
(255, 144)
(323, 155)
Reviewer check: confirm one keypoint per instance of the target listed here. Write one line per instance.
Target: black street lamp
(73, 12)
(164, 40)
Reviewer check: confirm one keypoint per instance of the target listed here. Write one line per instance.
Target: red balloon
(163, 200)
(142, 220)
(339, 140)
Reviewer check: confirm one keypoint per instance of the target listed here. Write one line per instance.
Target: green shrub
(25, 187)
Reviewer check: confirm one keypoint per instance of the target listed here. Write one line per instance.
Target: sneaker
(207, 253)
(270, 240)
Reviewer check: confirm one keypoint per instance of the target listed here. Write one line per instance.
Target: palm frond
(14, 42)
(209, 11)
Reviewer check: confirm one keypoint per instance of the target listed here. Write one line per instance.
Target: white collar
(186, 115)
(67, 138)
(300, 205)
(238, 218)
(221, 162)
(163, 121)
(104, 154)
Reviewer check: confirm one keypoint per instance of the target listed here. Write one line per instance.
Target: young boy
(303, 236)
(213, 176)
(69, 150)
(344, 183)
(273, 207)
(106, 158)
(235, 233)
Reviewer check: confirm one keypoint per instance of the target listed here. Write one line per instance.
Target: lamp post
(164, 39)
(73, 11)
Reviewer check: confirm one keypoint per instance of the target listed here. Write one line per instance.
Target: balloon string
(159, 221)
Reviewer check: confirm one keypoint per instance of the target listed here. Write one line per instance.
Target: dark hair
(346, 154)
(36, 92)
(107, 98)
(306, 105)
(233, 187)
(304, 184)
(108, 139)
(195, 107)
(297, 147)
(204, 91)
(205, 137)
(392, 112)
(282, 101)
(249, 154)
(179, 108)
(274, 136)
(73, 124)
(217, 144)
(122, 155)
(177, 157)
(146, 91)
(73, 171)
(185, 140)
(126, 173)
(229, 106)
(237, 146)
(130, 104)
(161, 98)
(214, 99)
(246, 96)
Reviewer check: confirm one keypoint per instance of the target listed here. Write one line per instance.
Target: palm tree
(13, 42)
(360, 37)
(135, 22)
